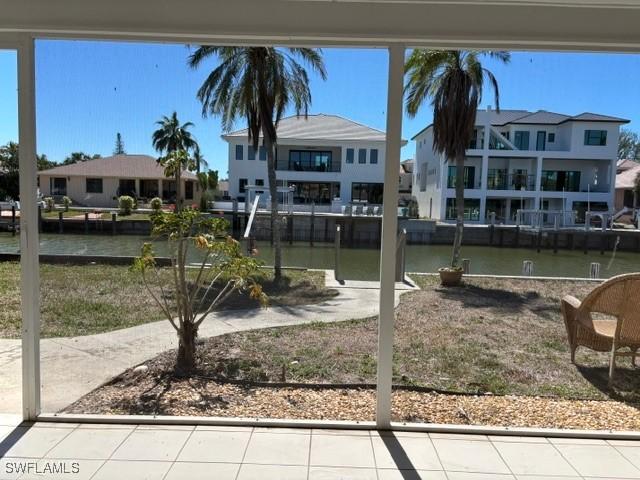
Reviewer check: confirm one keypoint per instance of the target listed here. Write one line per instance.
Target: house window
(551, 137)
(242, 183)
(239, 152)
(362, 155)
(595, 137)
(259, 182)
(262, 153)
(373, 155)
(473, 143)
(188, 190)
(94, 185)
(125, 187)
(471, 209)
(310, 161)
(59, 186)
(367, 192)
(469, 177)
(251, 153)
(350, 155)
(423, 177)
(521, 140)
(558, 181)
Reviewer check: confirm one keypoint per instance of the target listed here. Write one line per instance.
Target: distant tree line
(629, 145)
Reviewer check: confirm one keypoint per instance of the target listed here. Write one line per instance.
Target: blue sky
(88, 91)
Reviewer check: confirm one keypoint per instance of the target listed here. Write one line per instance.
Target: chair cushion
(605, 328)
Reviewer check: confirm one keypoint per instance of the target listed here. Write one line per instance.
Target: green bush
(66, 201)
(49, 202)
(156, 204)
(126, 204)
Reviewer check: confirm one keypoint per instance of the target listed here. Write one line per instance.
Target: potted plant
(450, 276)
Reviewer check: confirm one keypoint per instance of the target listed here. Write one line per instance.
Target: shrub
(48, 201)
(126, 204)
(156, 204)
(223, 270)
(66, 201)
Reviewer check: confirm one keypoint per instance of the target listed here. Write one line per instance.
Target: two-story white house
(521, 160)
(327, 160)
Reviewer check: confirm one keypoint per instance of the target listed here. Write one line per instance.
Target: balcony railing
(511, 182)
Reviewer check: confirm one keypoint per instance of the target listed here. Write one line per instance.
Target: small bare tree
(193, 293)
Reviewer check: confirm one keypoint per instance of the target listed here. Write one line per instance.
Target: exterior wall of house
(77, 191)
(348, 173)
(568, 152)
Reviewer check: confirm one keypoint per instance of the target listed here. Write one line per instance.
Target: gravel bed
(201, 397)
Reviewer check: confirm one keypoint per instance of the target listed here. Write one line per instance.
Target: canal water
(363, 263)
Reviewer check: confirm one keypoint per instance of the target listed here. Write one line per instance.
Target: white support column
(29, 241)
(389, 233)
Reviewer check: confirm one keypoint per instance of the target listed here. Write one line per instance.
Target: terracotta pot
(450, 278)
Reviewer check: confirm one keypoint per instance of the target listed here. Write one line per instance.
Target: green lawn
(87, 299)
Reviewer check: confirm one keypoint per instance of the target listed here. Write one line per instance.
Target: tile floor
(130, 452)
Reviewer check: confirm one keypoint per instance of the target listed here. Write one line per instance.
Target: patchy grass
(497, 336)
(87, 299)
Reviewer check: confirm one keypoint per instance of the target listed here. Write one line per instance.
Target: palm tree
(169, 140)
(199, 158)
(454, 81)
(259, 84)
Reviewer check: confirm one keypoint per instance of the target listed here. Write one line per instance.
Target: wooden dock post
(114, 217)
(60, 222)
(39, 218)
(555, 242)
(290, 228)
(585, 246)
(86, 222)
(13, 220)
(312, 227)
(539, 242)
(517, 239)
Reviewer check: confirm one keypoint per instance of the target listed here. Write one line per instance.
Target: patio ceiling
(526, 24)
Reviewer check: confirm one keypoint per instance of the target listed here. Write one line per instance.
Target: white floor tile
(89, 444)
(34, 442)
(411, 453)
(411, 475)
(534, 459)
(482, 476)
(598, 461)
(272, 472)
(341, 473)
(458, 436)
(469, 456)
(64, 469)
(278, 449)
(576, 441)
(631, 453)
(202, 471)
(333, 431)
(342, 451)
(153, 445)
(215, 446)
(120, 470)
(298, 431)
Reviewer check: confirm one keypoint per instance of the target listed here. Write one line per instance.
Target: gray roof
(541, 117)
(595, 117)
(321, 127)
(118, 166)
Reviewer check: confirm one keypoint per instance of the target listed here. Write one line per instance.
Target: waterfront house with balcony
(326, 160)
(521, 160)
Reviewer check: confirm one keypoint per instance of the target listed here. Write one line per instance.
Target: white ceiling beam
(595, 25)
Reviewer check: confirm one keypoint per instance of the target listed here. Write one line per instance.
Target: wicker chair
(618, 297)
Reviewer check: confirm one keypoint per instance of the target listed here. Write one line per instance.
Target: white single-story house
(99, 182)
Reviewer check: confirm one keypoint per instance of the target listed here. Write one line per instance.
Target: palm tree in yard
(454, 81)
(173, 141)
(259, 84)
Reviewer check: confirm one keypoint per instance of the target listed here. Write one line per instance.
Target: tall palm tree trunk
(178, 190)
(457, 240)
(275, 220)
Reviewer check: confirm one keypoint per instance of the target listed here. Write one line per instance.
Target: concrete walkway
(73, 366)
